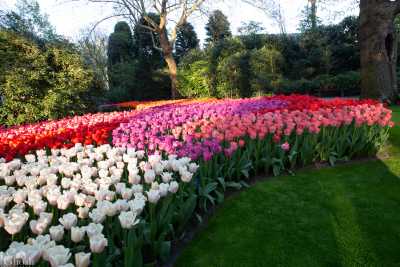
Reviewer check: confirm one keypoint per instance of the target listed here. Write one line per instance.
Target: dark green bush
(345, 84)
(39, 83)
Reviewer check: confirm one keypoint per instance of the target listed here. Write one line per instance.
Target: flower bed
(125, 203)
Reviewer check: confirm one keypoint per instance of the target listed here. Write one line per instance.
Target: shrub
(37, 84)
(193, 80)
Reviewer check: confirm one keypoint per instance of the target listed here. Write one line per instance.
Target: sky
(69, 18)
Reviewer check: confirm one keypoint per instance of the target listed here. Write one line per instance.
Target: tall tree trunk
(171, 63)
(313, 4)
(378, 45)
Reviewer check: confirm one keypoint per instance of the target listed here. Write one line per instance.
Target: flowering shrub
(124, 204)
(88, 199)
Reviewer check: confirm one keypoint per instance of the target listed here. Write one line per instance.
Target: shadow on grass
(343, 216)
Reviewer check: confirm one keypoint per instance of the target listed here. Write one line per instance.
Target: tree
(120, 56)
(28, 21)
(92, 46)
(310, 19)
(273, 9)
(265, 64)
(120, 44)
(186, 40)
(174, 13)
(38, 84)
(146, 43)
(217, 27)
(378, 44)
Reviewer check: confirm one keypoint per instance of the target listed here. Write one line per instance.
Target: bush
(345, 84)
(39, 83)
(265, 65)
(193, 80)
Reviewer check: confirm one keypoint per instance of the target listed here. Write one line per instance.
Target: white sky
(69, 18)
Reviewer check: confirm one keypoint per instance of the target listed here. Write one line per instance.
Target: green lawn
(343, 216)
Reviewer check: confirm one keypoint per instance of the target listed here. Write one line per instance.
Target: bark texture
(171, 62)
(378, 44)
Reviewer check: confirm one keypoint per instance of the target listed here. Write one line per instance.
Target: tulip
(173, 187)
(94, 229)
(57, 255)
(57, 232)
(77, 234)
(82, 259)
(149, 176)
(83, 212)
(153, 196)
(128, 219)
(68, 220)
(97, 243)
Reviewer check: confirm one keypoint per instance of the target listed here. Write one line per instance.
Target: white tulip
(163, 188)
(77, 234)
(121, 205)
(57, 255)
(126, 193)
(173, 187)
(97, 243)
(56, 232)
(97, 215)
(30, 158)
(94, 229)
(80, 199)
(137, 205)
(82, 259)
(149, 176)
(193, 167)
(153, 196)
(68, 220)
(166, 177)
(14, 222)
(134, 178)
(39, 207)
(63, 202)
(83, 212)
(128, 219)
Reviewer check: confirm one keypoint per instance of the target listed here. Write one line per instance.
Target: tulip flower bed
(122, 204)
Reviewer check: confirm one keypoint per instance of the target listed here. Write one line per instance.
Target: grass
(343, 216)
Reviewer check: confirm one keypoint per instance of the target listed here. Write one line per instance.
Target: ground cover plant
(122, 199)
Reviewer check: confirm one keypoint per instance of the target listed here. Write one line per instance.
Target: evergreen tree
(146, 42)
(120, 44)
(120, 62)
(217, 27)
(186, 40)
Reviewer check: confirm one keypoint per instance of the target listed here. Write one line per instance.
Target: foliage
(193, 74)
(217, 27)
(233, 76)
(146, 42)
(344, 84)
(92, 46)
(37, 84)
(265, 69)
(28, 21)
(121, 64)
(186, 40)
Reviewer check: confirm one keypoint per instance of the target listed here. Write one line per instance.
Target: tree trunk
(170, 60)
(378, 46)
(313, 4)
